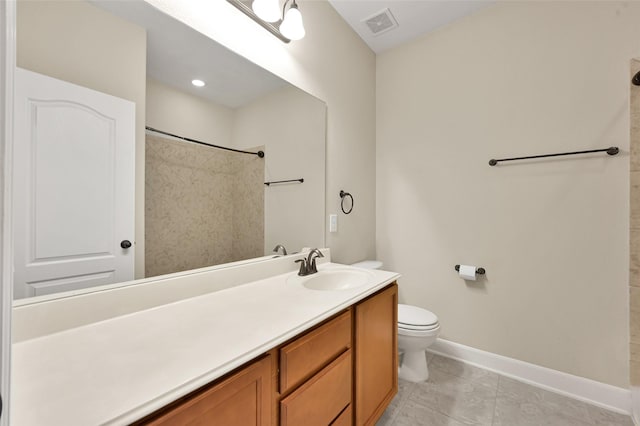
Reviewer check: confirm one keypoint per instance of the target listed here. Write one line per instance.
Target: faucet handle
(304, 269)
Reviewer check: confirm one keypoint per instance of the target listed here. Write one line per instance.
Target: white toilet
(417, 330)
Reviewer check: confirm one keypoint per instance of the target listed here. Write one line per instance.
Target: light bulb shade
(292, 26)
(267, 10)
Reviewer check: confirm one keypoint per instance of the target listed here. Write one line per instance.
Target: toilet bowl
(417, 330)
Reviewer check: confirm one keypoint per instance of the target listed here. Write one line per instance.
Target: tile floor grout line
(495, 401)
(401, 404)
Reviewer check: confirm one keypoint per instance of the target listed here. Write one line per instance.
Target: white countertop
(119, 370)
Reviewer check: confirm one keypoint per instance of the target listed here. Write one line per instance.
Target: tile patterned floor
(458, 394)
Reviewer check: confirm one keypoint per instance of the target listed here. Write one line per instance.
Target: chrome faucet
(278, 247)
(308, 265)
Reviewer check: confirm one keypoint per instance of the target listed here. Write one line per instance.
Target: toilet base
(414, 367)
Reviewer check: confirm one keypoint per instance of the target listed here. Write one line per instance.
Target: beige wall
(634, 266)
(519, 78)
(291, 124)
(79, 43)
(333, 64)
(181, 113)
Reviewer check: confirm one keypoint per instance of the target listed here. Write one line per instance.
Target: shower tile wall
(634, 264)
(248, 206)
(203, 206)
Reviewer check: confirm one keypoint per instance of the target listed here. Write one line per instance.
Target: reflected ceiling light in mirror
(198, 83)
(286, 26)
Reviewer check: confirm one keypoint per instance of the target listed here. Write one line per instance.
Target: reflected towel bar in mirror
(301, 180)
(343, 196)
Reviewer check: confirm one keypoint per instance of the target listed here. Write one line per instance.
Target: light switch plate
(333, 223)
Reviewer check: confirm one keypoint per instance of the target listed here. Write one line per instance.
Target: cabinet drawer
(306, 355)
(345, 418)
(321, 399)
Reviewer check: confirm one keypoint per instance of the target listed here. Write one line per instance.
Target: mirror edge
(7, 66)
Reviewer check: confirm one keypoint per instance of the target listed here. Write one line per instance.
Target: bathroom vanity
(344, 367)
(252, 344)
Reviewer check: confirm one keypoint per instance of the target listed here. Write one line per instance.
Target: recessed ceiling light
(198, 83)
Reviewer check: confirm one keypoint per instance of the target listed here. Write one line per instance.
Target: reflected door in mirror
(73, 199)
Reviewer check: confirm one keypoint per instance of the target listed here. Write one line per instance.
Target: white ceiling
(414, 17)
(177, 54)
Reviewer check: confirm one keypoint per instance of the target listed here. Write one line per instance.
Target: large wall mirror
(186, 205)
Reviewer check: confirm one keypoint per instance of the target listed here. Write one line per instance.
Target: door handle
(125, 244)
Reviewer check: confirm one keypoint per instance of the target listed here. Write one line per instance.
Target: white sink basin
(336, 279)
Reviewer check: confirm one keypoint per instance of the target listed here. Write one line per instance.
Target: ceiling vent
(381, 22)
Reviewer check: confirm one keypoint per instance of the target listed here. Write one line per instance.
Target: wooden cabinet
(316, 372)
(320, 400)
(376, 354)
(340, 373)
(306, 355)
(345, 418)
(372, 337)
(242, 399)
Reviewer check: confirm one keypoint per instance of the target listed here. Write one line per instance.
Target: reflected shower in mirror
(192, 206)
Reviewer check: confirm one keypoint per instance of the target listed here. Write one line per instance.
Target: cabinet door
(244, 399)
(376, 354)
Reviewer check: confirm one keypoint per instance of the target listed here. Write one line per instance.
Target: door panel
(73, 186)
(78, 157)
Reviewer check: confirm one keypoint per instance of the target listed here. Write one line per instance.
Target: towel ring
(344, 195)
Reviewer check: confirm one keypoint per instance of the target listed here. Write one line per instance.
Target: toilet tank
(368, 264)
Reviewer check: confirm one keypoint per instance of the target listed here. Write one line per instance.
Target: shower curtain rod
(151, 129)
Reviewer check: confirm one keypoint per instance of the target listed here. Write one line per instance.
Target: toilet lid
(426, 332)
(415, 317)
(418, 327)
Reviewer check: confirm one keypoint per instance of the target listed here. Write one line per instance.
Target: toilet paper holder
(479, 271)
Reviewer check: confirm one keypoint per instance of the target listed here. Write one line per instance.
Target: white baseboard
(601, 394)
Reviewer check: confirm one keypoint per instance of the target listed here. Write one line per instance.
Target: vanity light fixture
(267, 10)
(286, 26)
(198, 83)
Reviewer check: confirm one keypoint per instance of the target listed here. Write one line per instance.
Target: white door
(73, 186)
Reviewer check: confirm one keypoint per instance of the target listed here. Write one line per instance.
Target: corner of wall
(635, 405)
(634, 243)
